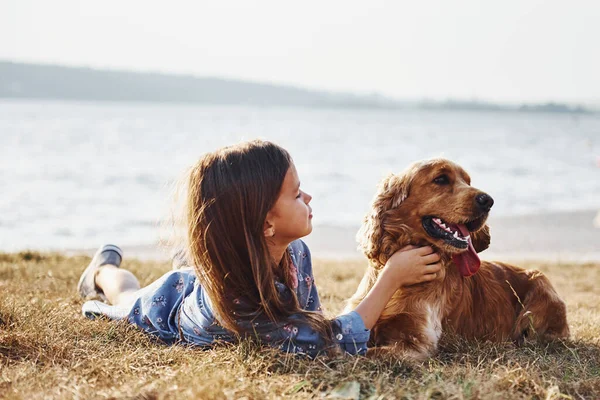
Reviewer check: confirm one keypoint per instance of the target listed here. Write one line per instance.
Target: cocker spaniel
(433, 203)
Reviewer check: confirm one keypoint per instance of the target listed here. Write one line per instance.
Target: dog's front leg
(411, 335)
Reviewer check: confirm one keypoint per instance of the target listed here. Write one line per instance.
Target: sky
(505, 51)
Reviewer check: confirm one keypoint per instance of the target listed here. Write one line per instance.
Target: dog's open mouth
(457, 236)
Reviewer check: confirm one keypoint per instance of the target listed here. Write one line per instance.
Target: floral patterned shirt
(176, 308)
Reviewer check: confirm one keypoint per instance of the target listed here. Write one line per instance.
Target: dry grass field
(48, 350)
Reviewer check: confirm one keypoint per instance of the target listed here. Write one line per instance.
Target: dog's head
(431, 202)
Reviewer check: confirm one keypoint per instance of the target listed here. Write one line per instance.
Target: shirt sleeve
(297, 336)
(349, 331)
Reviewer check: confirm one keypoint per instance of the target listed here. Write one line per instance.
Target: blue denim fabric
(176, 308)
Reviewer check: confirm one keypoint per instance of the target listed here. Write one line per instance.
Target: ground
(48, 350)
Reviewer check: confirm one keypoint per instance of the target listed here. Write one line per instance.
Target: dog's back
(504, 302)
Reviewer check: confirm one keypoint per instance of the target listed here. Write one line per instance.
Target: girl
(252, 276)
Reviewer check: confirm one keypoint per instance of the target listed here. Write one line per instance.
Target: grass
(48, 350)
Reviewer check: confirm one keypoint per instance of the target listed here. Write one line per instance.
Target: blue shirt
(176, 308)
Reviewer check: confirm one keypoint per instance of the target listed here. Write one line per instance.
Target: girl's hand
(407, 266)
(411, 265)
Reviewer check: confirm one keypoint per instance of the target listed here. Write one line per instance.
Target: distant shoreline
(27, 81)
(548, 108)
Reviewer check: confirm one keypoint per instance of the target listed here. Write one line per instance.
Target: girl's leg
(118, 285)
(104, 279)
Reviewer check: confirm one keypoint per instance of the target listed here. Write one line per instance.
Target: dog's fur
(500, 302)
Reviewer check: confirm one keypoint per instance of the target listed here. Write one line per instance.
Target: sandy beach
(555, 237)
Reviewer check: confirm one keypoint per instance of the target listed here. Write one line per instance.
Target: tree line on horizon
(37, 81)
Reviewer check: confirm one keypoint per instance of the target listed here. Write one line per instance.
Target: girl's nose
(307, 198)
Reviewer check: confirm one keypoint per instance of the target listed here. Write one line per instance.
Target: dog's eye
(442, 180)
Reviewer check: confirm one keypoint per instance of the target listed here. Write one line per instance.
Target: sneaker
(107, 254)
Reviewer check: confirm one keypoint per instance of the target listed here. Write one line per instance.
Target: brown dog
(433, 203)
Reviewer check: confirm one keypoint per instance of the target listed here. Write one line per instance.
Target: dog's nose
(484, 201)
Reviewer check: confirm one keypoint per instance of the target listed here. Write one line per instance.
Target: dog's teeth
(437, 220)
(456, 235)
(464, 239)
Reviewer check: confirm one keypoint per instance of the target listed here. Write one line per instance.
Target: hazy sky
(502, 50)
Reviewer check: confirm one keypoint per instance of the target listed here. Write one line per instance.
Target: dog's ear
(393, 190)
(481, 239)
(377, 244)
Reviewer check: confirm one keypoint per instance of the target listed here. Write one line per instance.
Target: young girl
(252, 276)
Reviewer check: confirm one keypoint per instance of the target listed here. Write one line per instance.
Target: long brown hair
(229, 194)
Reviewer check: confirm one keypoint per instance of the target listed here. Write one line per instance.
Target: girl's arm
(408, 266)
(351, 330)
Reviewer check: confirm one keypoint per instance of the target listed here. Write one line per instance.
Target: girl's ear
(268, 228)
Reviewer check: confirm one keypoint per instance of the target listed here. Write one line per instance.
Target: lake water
(73, 175)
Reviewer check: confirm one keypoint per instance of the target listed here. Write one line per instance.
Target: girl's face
(291, 216)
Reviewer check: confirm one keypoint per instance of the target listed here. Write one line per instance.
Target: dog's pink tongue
(468, 262)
